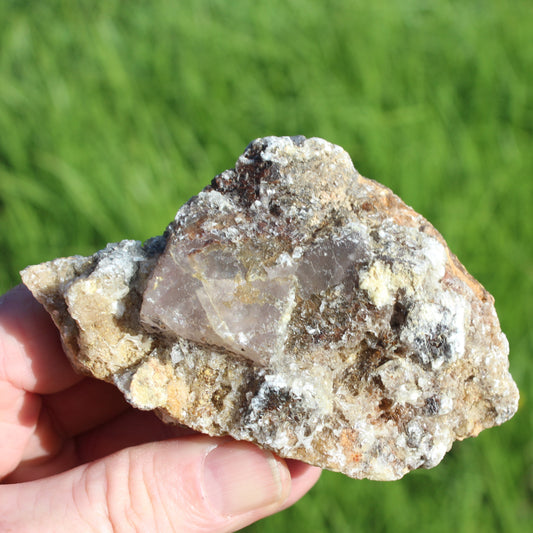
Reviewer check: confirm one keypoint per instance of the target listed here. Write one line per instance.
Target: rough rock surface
(298, 305)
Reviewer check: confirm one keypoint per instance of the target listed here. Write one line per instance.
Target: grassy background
(113, 113)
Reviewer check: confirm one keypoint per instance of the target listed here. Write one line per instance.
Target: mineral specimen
(298, 305)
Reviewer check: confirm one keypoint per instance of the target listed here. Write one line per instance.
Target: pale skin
(75, 457)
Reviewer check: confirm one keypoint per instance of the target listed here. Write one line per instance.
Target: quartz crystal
(295, 304)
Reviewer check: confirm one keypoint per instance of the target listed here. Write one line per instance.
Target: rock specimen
(298, 305)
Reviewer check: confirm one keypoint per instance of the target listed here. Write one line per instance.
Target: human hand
(75, 457)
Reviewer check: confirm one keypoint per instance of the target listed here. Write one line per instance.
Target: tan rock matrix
(298, 305)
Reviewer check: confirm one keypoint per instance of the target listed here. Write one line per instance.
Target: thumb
(189, 484)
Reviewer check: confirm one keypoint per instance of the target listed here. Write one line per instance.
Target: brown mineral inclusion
(298, 305)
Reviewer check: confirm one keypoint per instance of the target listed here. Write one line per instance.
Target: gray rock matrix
(298, 305)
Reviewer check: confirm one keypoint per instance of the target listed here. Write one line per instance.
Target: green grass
(113, 113)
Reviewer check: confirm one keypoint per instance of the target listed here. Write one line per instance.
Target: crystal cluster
(298, 305)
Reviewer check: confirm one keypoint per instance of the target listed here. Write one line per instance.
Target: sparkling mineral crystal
(298, 305)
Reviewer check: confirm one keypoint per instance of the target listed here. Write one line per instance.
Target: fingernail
(240, 477)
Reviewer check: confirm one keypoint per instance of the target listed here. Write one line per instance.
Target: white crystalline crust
(298, 305)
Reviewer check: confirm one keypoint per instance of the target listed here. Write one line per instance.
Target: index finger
(31, 355)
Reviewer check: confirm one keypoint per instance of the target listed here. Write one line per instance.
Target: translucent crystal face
(209, 296)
